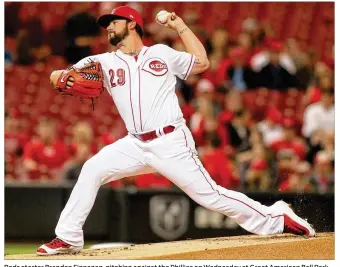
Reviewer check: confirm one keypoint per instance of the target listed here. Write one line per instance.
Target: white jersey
(144, 89)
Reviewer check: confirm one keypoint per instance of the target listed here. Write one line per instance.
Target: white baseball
(162, 16)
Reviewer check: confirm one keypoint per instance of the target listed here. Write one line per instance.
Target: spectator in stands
(237, 131)
(116, 131)
(230, 102)
(320, 142)
(319, 117)
(305, 74)
(201, 119)
(323, 68)
(233, 102)
(290, 140)
(186, 106)
(244, 41)
(41, 53)
(15, 141)
(188, 87)
(258, 175)
(270, 126)
(45, 155)
(23, 49)
(217, 50)
(81, 28)
(299, 180)
(328, 144)
(273, 51)
(293, 50)
(205, 89)
(241, 76)
(302, 61)
(313, 94)
(220, 168)
(253, 163)
(220, 93)
(80, 150)
(289, 151)
(31, 46)
(273, 75)
(268, 30)
(219, 41)
(323, 176)
(251, 27)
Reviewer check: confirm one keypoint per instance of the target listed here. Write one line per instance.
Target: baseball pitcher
(141, 81)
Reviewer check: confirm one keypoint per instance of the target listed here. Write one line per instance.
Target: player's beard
(119, 36)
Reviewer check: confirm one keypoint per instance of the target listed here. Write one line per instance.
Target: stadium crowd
(262, 116)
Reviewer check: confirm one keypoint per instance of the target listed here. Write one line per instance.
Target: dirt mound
(240, 247)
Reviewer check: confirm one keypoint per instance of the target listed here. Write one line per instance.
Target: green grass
(28, 248)
(20, 248)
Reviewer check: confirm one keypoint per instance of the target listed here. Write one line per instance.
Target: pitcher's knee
(92, 169)
(88, 165)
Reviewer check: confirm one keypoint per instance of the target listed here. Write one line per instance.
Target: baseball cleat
(293, 224)
(57, 246)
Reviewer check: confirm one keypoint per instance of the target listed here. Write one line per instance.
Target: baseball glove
(88, 81)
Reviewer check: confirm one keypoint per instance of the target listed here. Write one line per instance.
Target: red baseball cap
(275, 46)
(274, 115)
(122, 12)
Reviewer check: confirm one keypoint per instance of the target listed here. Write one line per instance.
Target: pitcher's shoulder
(158, 50)
(159, 47)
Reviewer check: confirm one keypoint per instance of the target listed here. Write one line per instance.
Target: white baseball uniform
(143, 90)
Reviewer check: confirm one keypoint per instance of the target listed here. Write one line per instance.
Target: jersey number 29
(121, 77)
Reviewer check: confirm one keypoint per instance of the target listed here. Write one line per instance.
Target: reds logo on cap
(155, 66)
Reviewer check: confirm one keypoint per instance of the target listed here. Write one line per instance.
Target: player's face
(117, 31)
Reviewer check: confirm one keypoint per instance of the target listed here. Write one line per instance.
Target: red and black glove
(88, 81)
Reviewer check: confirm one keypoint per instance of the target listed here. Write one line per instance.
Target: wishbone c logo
(155, 66)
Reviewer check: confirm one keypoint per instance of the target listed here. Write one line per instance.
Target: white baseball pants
(174, 156)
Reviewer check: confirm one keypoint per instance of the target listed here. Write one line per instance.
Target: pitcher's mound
(275, 247)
